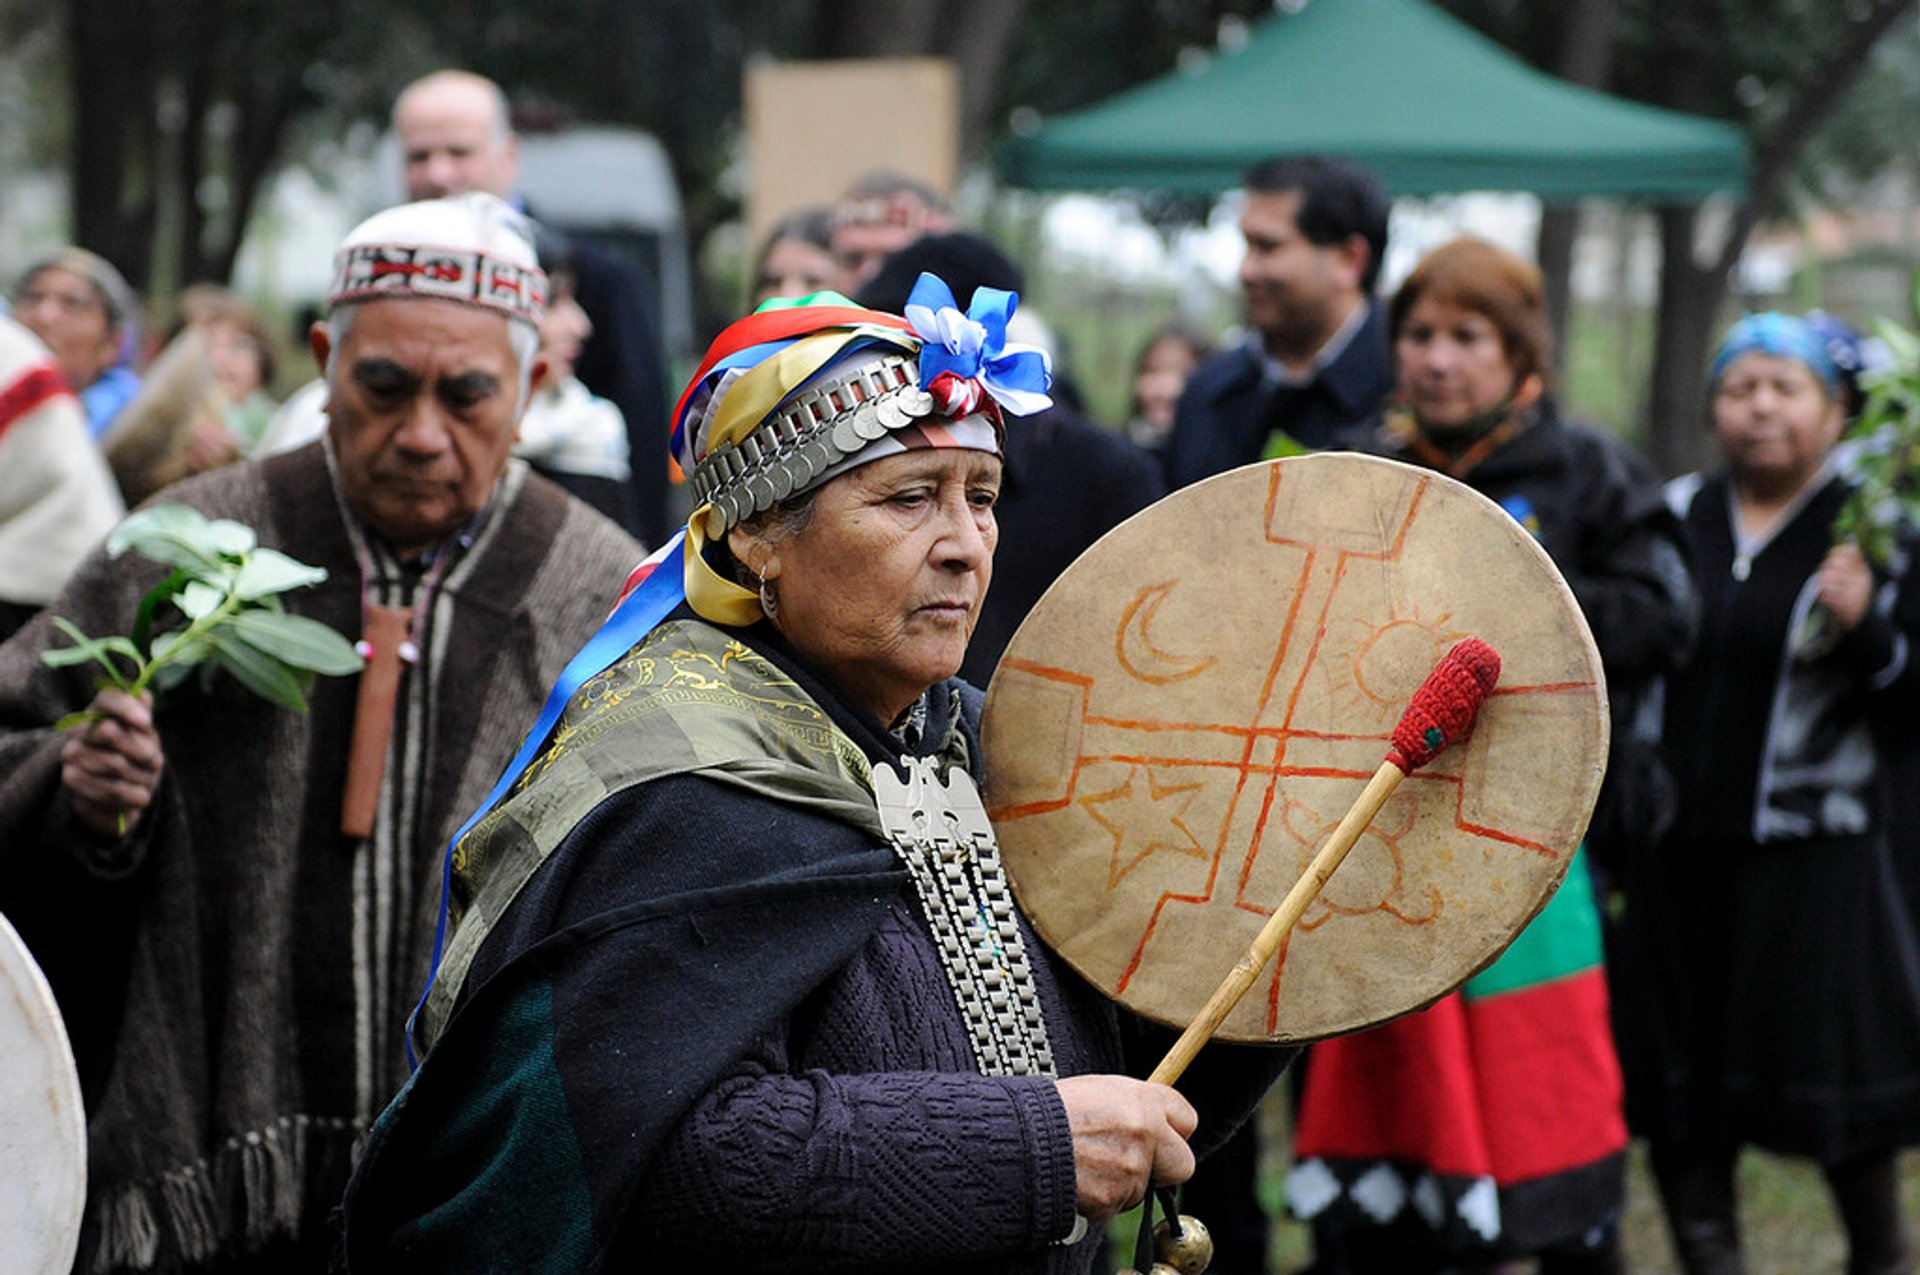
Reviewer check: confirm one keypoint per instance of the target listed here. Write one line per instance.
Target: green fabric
(1563, 939)
(1425, 101)
(687, 698)
(516, 1119)
(1282, 445)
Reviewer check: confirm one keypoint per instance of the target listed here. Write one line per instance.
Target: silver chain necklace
(941, 832)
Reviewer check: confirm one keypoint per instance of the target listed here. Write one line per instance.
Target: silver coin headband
(807, 436)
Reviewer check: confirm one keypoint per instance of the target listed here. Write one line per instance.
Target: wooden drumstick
(1441, 711)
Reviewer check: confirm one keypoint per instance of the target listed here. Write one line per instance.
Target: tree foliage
(177, 113)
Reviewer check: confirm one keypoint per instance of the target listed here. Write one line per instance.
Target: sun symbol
(1372, 669)
(1372, 878)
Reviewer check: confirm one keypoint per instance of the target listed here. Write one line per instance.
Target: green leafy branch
(1886, 463)
(226, 587)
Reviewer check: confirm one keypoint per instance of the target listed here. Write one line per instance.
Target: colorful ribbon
(973, 346)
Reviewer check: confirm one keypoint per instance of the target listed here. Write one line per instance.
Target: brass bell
(1184, 1254)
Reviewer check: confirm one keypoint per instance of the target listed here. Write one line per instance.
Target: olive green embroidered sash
(688, 698)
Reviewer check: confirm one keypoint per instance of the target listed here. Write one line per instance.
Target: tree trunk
(1585, 57)
(110, 49)
(879, 28)
(1687, 322)
(979, 47)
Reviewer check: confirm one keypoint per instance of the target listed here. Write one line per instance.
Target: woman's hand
(111, 766)
(1846, 585)
(1128, 1136)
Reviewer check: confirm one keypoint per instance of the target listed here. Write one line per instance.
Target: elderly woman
(1769, 990)
(736, 981)
(78, 304)
(1498, 1112)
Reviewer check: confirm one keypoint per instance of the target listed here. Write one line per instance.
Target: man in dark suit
(1314, 364)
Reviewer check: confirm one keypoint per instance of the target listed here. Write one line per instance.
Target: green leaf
(157, 597)
(177, 648)
(96, 650)
(170, 534)
(1901, 343)
(268, 571)
(199, 600)
(259, 672)
(231, 539)
(297, 641)
(169, 676)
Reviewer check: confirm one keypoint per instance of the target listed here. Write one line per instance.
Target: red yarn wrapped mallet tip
(1445, 705)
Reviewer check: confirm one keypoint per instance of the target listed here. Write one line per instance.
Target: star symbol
(1143, 818)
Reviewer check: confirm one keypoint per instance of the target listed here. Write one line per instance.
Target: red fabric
(1517, 1086)
(778, 325)
(29, 391)
(1551, 1092)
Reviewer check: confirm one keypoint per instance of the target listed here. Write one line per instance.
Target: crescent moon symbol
(1137, 652)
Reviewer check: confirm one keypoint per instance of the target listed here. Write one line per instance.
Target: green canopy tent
(1425, 101)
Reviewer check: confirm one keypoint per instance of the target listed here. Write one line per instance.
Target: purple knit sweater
(861, 1137)
(856, 1134)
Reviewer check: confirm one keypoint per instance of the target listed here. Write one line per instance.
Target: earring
(769, 600)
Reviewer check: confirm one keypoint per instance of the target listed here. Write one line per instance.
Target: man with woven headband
(266, 919)
(718, 984)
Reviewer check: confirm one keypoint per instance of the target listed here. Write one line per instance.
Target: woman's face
(563, 331)
(881, 589)
(795, 268)
(1163, 373)
(66, 312)
(1452, 364)
(1774, 418)
(235, 358)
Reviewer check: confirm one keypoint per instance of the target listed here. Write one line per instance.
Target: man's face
(860, 250)
(1297, 292)
(423, 402)
(452, 141)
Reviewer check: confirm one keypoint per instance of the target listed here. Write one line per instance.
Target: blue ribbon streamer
(637, 616)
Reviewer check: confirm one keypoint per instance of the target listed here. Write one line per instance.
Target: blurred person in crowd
(795, 259)
(1768, 986)
(235, 902)
(1066, 481)
(880, 214)
(456, 134)
(83, 310)
(241, 353)
(1313, 366)
(1160, 373)
(57, 500)
(176, 425)
(709, 995)
(570, 434)
(1502, 1103)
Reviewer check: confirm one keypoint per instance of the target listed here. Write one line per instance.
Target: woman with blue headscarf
(1768, 989)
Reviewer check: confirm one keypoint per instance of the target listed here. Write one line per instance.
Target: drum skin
(1191, 708)
(43, 1133)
